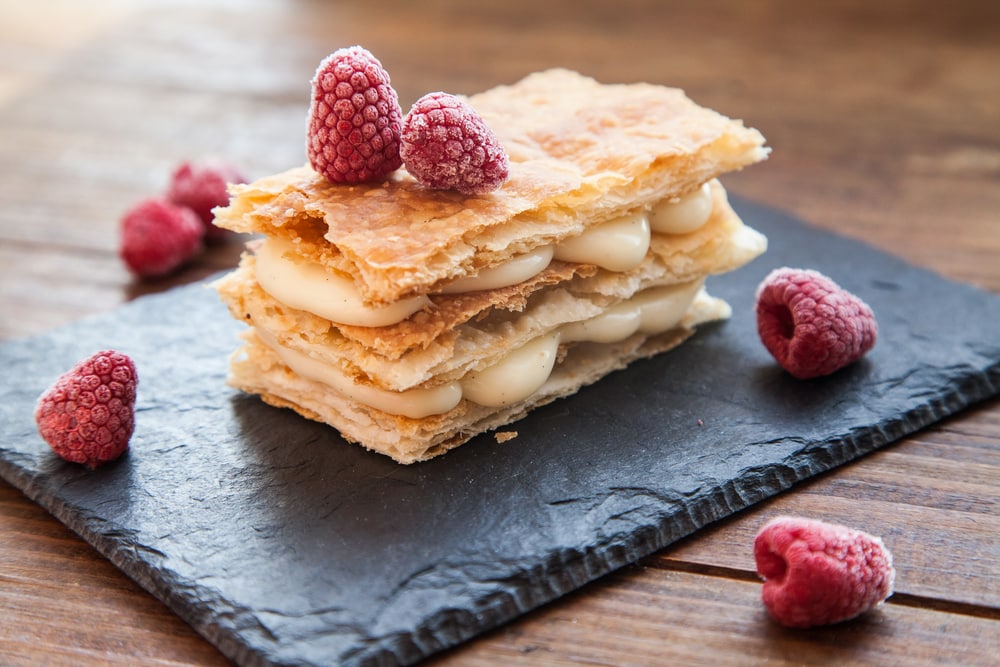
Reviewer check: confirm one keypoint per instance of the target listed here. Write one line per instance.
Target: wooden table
(884, 118)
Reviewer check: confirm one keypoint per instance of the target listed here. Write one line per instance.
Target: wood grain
(652, 616)
(885, 123)
(933, 498)
(63, 604)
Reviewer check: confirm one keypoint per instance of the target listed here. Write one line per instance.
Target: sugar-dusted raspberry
(157, 237)
(201, 186)
(446, 145)
(354, 119)
(810, 324)
(87, 416)
(816, 573)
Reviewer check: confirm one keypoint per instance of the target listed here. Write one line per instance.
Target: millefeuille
(413, 319)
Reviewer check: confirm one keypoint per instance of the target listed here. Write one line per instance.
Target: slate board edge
(575, 569)
(578, 568)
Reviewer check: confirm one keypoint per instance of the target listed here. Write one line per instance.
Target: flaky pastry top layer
(581, 153)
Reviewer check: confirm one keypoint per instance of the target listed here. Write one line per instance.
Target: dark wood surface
(884, 119)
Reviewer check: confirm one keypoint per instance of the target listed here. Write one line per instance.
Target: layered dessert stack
(412, 319)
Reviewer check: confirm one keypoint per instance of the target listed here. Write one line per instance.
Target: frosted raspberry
(201, 186)
(158, 237)
(816, 573)
(810, 324)
(354, 119)
(446, 145)
(88, 414)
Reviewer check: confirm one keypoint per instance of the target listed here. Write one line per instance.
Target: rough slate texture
(283, 545)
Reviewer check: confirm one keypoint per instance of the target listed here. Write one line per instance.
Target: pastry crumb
(504, 436)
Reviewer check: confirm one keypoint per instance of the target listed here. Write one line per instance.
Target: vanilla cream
(415, 403)
(516, 376)
(312, 288)
(651, 311)
(619, 245)
(515, 271)
(682, 215)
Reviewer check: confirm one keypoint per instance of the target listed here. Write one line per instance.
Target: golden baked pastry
(595, 169)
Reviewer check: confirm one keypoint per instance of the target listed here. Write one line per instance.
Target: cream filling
(682, 215)
(651, 311)
(312, 288)
(515, 271)
(618, 245)
(520, 373)
(514, 378)
(416, 403)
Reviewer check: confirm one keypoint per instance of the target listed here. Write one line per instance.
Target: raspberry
(354, 119)
(158, 237)
(816, 573)
(447, 145)
(201, 186)
(810, 324)
(88, 415)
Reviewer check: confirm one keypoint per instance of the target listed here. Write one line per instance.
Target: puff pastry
(582, 155)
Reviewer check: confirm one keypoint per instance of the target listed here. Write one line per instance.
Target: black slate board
(283, 545)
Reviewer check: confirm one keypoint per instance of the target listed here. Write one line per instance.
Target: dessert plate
(282, 544)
